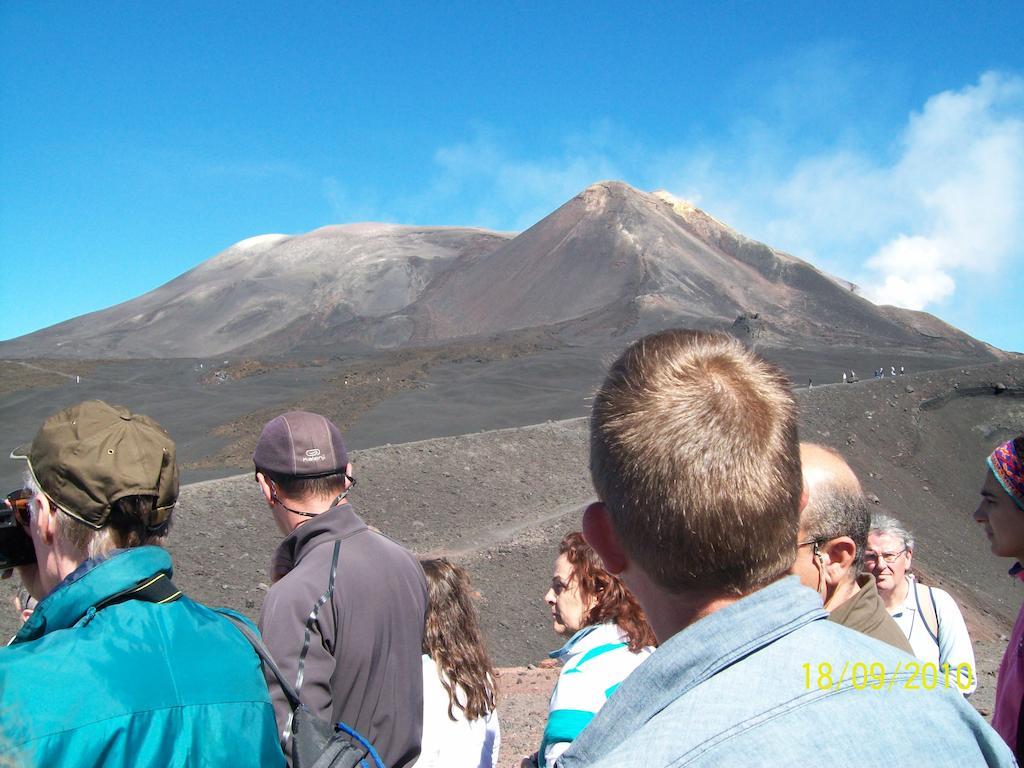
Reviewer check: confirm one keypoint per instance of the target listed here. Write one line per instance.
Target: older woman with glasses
(928, 616)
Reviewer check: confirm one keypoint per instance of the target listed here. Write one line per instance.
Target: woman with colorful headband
(1001, 513)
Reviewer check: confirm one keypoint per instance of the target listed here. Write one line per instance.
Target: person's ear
(837, 558)
(348, 474)
(265, 488)
(600, 534)
(910, 557)
(44, 519)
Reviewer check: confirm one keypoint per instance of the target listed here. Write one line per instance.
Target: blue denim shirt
(745, 686)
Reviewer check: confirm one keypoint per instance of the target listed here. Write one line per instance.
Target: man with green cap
(116, 666)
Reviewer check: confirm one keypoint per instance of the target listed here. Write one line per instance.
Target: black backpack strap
(311, 619)
(157, 589)
(291, 692)
(261, 650)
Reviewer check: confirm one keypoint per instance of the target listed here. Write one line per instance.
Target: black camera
(15, 545)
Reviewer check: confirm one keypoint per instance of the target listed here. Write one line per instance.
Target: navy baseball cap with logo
(300, 444)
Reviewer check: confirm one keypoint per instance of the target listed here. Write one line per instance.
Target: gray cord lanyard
(935, 609)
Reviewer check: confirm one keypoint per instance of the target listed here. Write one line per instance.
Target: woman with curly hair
(608, 638)
(460, 721)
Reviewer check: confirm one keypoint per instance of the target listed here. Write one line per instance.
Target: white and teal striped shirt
(595, 661)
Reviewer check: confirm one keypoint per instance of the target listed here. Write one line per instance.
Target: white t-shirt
(460, 743)
(954, 646)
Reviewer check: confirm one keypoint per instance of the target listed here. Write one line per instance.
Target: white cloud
(500, 183)
(939, 205)
(481, 182)
(912, 275)
(948, 203)
(960, 181)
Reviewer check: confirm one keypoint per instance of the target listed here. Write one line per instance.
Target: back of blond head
(694, 450)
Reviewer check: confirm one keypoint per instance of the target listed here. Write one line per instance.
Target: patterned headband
(1007, 464)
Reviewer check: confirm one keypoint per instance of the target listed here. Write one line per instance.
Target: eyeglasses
(888, 557)
(811, 543)
(20, 502)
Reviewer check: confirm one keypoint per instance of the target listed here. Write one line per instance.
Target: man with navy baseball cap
(344, 617)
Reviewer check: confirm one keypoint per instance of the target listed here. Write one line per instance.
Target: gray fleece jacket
(363, 666)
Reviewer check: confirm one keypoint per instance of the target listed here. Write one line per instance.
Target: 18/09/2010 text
(910, 675)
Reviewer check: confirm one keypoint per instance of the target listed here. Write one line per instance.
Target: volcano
(612, 262)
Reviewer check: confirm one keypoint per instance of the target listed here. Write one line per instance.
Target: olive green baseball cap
(88, 456)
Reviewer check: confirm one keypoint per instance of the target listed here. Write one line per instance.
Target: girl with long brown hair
(460, 719)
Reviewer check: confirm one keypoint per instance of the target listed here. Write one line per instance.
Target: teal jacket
(133, 684)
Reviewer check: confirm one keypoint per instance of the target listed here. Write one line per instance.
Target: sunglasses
(16, 546)
(20, 502)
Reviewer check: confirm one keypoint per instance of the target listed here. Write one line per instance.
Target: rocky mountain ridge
(611, 262)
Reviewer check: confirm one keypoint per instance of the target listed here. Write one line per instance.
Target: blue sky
(883, 144)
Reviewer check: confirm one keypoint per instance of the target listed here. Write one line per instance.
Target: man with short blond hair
(695, 459)
(707, 440)
(831, 543)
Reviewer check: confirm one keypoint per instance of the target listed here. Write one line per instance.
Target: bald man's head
(835, 502)
(823, 466)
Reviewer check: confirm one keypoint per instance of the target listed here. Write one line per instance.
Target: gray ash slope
(499, 501)
(617, 261)
(612, 263)
(270, 285)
